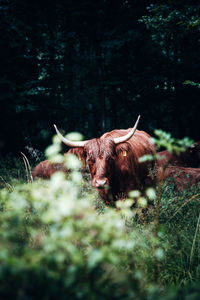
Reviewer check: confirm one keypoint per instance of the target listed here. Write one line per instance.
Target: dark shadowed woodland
(91, 66)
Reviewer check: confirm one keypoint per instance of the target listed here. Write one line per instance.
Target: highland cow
(113, 161)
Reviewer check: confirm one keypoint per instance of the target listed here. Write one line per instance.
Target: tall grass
(61, 234)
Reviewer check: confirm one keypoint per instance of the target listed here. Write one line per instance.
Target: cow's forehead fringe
(100, 147)
(104, 146)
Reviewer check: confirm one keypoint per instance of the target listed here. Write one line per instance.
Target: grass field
(57, 236)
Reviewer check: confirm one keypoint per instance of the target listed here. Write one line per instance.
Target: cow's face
(101, 156)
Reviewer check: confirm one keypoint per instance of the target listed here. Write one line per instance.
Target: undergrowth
(58, 237)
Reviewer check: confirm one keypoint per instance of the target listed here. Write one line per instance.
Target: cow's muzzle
(100, 183)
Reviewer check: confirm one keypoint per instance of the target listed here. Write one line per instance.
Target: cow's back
(181, 177)
(46, 169)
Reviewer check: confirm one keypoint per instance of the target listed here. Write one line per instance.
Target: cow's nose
(100, 182)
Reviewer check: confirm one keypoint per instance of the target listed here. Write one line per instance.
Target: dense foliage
(58, 237)
(91, 66)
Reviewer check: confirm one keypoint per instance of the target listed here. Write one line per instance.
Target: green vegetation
(58, 238)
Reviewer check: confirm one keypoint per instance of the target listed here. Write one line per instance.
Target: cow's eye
(91, 160)
(111, 158)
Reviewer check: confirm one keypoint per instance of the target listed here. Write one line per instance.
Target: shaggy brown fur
(46, 169)
(180, 176)
(118, 164)
(189, 158)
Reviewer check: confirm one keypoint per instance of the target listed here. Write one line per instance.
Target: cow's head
(100, 155)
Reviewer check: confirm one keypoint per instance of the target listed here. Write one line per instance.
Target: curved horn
(126, 137)
(68, 142)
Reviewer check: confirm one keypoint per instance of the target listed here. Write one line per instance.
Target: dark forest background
(92, 66)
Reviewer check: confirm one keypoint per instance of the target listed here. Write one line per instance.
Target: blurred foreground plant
(58, 238)
(54, 240)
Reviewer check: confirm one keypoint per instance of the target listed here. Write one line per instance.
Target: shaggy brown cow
(46, 169)
(113, 161)
(188, 158)
(180, 176)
